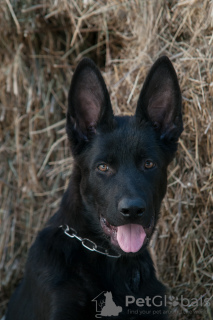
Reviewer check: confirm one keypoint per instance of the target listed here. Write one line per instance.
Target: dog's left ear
(89, 105)
(160, 100)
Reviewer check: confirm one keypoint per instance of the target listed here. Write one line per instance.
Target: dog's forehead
(127, 139)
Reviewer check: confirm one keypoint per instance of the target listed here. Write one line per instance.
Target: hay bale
(40, 46)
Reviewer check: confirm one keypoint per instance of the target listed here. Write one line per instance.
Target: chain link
(87, 243)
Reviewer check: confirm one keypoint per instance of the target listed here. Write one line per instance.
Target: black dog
(95, 246)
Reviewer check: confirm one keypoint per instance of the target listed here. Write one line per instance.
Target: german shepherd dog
(95, 246)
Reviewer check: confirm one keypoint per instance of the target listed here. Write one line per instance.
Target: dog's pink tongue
(130, 237)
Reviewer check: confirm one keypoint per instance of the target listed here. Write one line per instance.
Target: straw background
(40, 45)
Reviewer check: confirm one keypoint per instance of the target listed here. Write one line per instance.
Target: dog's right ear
(160, 101)
(88, 105)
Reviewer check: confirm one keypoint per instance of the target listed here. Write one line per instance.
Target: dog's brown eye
(103, 167)
(149, 164)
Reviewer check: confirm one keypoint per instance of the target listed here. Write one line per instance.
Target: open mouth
(129, 237)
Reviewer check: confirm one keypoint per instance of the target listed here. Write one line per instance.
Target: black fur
(119, 178)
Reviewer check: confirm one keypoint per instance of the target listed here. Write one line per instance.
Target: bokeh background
(41, 43)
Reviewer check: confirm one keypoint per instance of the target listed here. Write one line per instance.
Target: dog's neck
(72, 209)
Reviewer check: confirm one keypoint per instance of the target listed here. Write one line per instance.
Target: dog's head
(123, 160)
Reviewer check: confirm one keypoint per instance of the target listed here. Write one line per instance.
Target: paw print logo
(173, 301)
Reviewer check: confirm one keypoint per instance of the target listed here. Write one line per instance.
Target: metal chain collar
(87, 243)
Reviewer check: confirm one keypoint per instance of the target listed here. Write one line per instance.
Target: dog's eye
(103, 167)
(149, 164)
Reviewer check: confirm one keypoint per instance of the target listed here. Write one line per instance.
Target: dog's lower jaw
(110, 231)
(139, 242)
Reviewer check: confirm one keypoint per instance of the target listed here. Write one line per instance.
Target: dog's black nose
(131, 207)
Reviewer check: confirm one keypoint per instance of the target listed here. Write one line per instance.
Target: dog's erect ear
(88, 103)
(160, 100)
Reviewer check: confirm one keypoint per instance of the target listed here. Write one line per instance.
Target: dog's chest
(107, 277)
